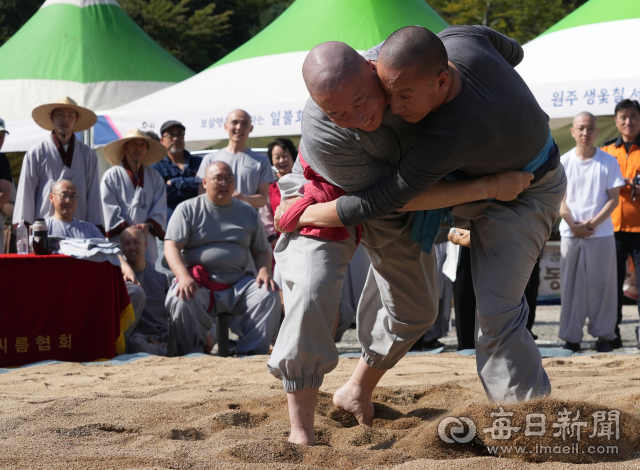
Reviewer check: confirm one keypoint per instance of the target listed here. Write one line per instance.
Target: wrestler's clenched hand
(507, 185)
(462, 238)
(281, 209)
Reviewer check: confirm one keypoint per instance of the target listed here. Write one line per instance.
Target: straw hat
(42, 114)
(114, 152)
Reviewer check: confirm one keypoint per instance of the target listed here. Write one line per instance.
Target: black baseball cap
(169, 124)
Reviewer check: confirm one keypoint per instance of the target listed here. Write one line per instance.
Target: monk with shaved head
(351, 140)
(210, 244)
(252, 170)
(465, 113)
(150, 332)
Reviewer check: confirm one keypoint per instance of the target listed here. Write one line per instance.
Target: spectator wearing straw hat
(133, 193)
(59, 156)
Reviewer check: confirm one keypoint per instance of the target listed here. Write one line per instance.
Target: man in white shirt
(252, 170)
(588, 253)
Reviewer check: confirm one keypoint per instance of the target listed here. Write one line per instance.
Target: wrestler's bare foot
(355, 396)
(354, 400)
(301, 436)
(302, 407)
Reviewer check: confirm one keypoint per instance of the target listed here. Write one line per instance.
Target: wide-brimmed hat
(114, 152)
(42, 114)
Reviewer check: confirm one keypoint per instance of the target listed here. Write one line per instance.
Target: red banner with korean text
(57, 307)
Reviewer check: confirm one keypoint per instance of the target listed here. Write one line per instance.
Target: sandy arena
(210, 412)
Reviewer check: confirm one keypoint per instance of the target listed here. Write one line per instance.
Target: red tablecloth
(57, 307)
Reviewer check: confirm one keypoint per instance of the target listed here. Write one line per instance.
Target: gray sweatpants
(398, 304)
(506, 239)
(256, 313)
(589, 287)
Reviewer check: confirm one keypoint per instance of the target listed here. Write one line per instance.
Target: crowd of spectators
(197, 233)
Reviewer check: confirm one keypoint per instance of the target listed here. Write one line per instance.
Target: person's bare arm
(579, 229)
(262, 259)
(255, 200)
(187, 286)
(607, 209)
(502, 186)
(5, 192)
(127, 271)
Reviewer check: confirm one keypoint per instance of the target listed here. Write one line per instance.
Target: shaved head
(63, 185)
(216, 167)
(414, 47)
(133, 232)
(329, 64)
(239, 114)
(584, 115)
(344, 85)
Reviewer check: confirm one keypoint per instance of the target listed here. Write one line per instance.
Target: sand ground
(210, 412)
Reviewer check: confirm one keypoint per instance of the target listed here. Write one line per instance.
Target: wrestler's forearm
(448, 193)
(321, 215)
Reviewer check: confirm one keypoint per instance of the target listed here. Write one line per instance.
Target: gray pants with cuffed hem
(506, 239)
(398, 304)
(256, 313)
(589, 288)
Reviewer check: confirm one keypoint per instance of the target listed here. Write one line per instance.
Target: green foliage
(190, 34)
(15, 13)
(522, 20)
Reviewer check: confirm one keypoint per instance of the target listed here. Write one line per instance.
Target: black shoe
(615, 343)
(417, 346)
(575, 347)
(433, 344)
(604, 346)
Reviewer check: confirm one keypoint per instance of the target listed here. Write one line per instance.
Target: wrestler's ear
(373, 65)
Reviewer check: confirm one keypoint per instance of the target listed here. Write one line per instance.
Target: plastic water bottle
(22, 239)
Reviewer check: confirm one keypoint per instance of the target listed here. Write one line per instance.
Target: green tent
(264, 75)
(89, 50)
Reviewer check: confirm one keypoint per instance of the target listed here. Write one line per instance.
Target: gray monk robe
(128, 200)
(42, 166)
(221, 238)
(153, 327)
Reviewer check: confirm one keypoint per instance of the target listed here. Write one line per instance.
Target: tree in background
(13, 14)
(191, 32)
(522, 20)
(199, 32)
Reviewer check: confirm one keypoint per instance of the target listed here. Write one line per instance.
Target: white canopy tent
(586, 61)
(264, 76)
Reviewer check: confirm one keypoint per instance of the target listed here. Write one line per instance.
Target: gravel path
(545, 326)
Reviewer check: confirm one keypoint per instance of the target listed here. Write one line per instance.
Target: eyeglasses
(67, 196)
(219, 180)
(168, 135)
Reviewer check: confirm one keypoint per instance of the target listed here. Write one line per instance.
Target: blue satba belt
(426, 224)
